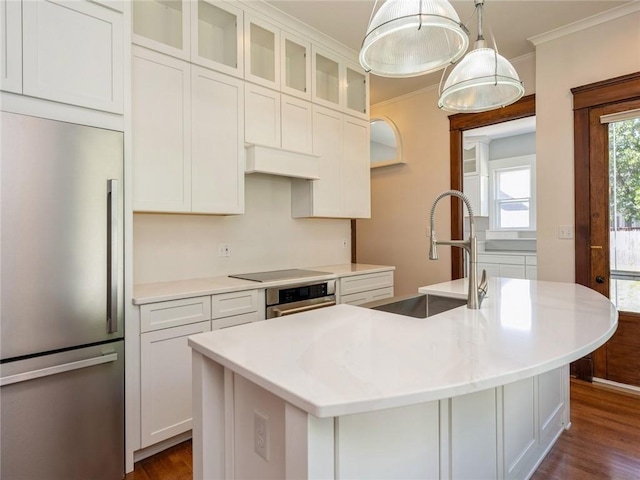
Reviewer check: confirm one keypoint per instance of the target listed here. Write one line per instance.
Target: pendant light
(483, 80)
(406, 38)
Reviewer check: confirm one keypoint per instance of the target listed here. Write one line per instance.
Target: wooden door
(619, 359)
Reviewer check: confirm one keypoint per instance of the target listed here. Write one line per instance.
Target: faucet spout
(475, 293)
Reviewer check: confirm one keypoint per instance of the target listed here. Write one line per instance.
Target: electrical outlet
(261, 435)
(565, 232)
(224, 250)
(345, 243)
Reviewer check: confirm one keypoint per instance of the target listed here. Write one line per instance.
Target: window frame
(505, 164)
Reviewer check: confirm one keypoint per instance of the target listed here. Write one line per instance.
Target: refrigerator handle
(112, 256)
(65, 367)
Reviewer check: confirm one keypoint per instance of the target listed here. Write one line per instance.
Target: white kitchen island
(350, 393)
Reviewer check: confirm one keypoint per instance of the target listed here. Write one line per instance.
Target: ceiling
(512, 22)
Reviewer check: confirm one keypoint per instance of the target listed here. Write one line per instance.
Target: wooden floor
(603, 442)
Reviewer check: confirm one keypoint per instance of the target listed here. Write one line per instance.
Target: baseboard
(160, 446)
(622, 387)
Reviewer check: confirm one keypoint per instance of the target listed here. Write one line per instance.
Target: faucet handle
(482, 288)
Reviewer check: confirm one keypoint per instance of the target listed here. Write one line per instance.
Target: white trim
(512, 163)
(621, 116)
(621, 386)
(585, 23)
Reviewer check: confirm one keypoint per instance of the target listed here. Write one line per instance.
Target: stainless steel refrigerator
(61, 324)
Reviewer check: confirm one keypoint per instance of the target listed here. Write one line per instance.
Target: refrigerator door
(63, 415)
(62, 235)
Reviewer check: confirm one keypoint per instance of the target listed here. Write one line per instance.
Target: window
(512, 193)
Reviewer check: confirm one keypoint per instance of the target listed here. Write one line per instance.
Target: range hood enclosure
(275, 161)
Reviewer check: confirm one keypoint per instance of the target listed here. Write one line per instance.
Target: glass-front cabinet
(216, 36)
(262, 52)
(339, 84)
(295, 65)
(162, 25)
(357, 91)
(326, 78)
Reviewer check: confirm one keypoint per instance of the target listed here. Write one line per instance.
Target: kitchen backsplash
(175, 247)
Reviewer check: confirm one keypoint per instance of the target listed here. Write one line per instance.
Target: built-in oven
(300, 297)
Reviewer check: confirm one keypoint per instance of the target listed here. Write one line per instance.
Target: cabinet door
(297, 124)
(356, 96)
(262, 116)
(355, 170)
(165, 378)
(217, 143)
(217, 36)
(262, 52)
(476, 187)
(473, 427)
(325, 79)
(322, 198)
(295, 66)
(11, 46)
(520, 428)
(512, 271)
(73, 53)
(161, 93)
(162, 25)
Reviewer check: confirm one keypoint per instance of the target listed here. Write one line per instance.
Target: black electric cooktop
(278, 275)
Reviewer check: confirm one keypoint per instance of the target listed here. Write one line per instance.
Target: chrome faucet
(476, 292)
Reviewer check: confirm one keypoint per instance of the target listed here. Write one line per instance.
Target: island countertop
(345, 359)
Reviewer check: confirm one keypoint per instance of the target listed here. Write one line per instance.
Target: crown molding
(585, 23)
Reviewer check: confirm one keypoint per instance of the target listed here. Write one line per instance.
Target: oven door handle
(282, 312)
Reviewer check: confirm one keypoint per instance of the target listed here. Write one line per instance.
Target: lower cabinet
(165, 356)
(165, 394)
(508, 266)
(359, 289)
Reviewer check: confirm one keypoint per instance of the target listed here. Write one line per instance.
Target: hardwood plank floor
(603, 442)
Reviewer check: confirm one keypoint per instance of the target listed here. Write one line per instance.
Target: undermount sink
(418, 306)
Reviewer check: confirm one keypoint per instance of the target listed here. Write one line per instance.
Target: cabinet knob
(599, 279)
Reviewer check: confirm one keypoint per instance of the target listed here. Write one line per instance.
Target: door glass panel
(624, 213)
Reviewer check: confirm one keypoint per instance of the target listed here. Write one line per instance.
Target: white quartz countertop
(162, 291)
(346, 359)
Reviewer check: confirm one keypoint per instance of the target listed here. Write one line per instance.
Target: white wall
(175, 247)
(401, 195)
(514, 146)
(597, 53)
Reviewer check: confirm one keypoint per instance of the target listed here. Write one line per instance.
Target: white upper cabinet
(161, 107)
(295, 66)
(356, 98)
(217, 145)
(325, 81)
(262, 124)
(11, 46)
(262, 52)
(337, 83)
(296, 119)
(343, 190)
(216, 36)
(73, 52)
(163, 25)
(188, 131)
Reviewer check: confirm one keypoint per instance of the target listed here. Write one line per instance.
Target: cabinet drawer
(234, 303)
(368, 296)
(234, 321)
(532, 260)
(156, 316)
(362, 283)
(502, 259)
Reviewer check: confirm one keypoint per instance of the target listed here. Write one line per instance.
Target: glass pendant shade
(407, 38)
(483, 80)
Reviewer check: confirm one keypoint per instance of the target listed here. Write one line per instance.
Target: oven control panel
(299, 292)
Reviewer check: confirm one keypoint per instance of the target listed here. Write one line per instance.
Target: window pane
(625, 294)
(514, 184)
(513, 214)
